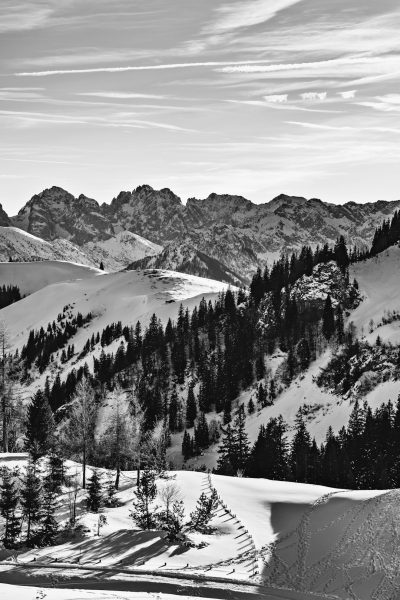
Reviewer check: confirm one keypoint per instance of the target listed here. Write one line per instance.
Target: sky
(254, 97)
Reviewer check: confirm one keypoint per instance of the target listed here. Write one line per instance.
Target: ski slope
(289, 536)
(125, 296)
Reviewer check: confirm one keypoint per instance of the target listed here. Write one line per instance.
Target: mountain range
(225, 237)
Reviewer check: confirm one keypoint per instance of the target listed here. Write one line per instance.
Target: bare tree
(169, 493)
(78, 431)
(121, 437)
(139, 434)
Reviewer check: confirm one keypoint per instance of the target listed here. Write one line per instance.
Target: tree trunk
(84, 468)
(117, 477)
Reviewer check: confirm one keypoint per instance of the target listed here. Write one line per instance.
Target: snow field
(285, 535)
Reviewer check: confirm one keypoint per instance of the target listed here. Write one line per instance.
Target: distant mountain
(55, 213)
(230, 229)
(115, 253)
(185, 258)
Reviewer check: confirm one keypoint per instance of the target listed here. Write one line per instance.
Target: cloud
(277, 98)
(22, 16)
(345, 128)
(313, 96)
(348, 95)
(387, 103)
(119, 120)
(247, 14)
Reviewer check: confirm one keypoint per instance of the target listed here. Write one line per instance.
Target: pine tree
(40, 426)
(250, 406)
(144, 513)
(31, 499)
(201, 433)
(9, 498)
(94, 498)
(204, 511)
(187, 446)
(328, 319)
(300, 451)
(191, 407)
(48, 522)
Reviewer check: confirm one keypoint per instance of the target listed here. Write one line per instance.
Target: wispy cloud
(116, 120)
(387, 103)
(240, 14)
(22, 16)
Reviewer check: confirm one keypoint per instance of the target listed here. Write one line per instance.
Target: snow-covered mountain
(126, 296)
(185, 258)
(230, 229)
(115, 252)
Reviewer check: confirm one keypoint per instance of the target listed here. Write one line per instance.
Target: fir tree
(201, 433)
(191, 407)
(48, 522)
(328, 319)
(94, 499)
(31, 499)
(144, 513)
(204, 511)
(187, 446)
(300, 450)
(9, 498)
(40, 426)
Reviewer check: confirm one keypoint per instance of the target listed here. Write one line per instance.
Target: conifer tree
(48, 521)
(187, 446)
(191, 407)
(201, 433)
(94, 498)
(31, 499)
(40, 426)
(144, 513)
(328, 319)
(9, 498)
(300, 450)
(204, 511)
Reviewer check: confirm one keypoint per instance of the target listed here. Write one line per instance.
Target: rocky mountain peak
(4, 218)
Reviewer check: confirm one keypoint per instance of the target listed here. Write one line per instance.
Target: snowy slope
(125, 296)
(306, 538)
(115, 252)
(120, 251)
(379, 281)
(33, 276)
(20, 245)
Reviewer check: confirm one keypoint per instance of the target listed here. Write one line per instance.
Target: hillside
(230, 229)
(127, 296)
